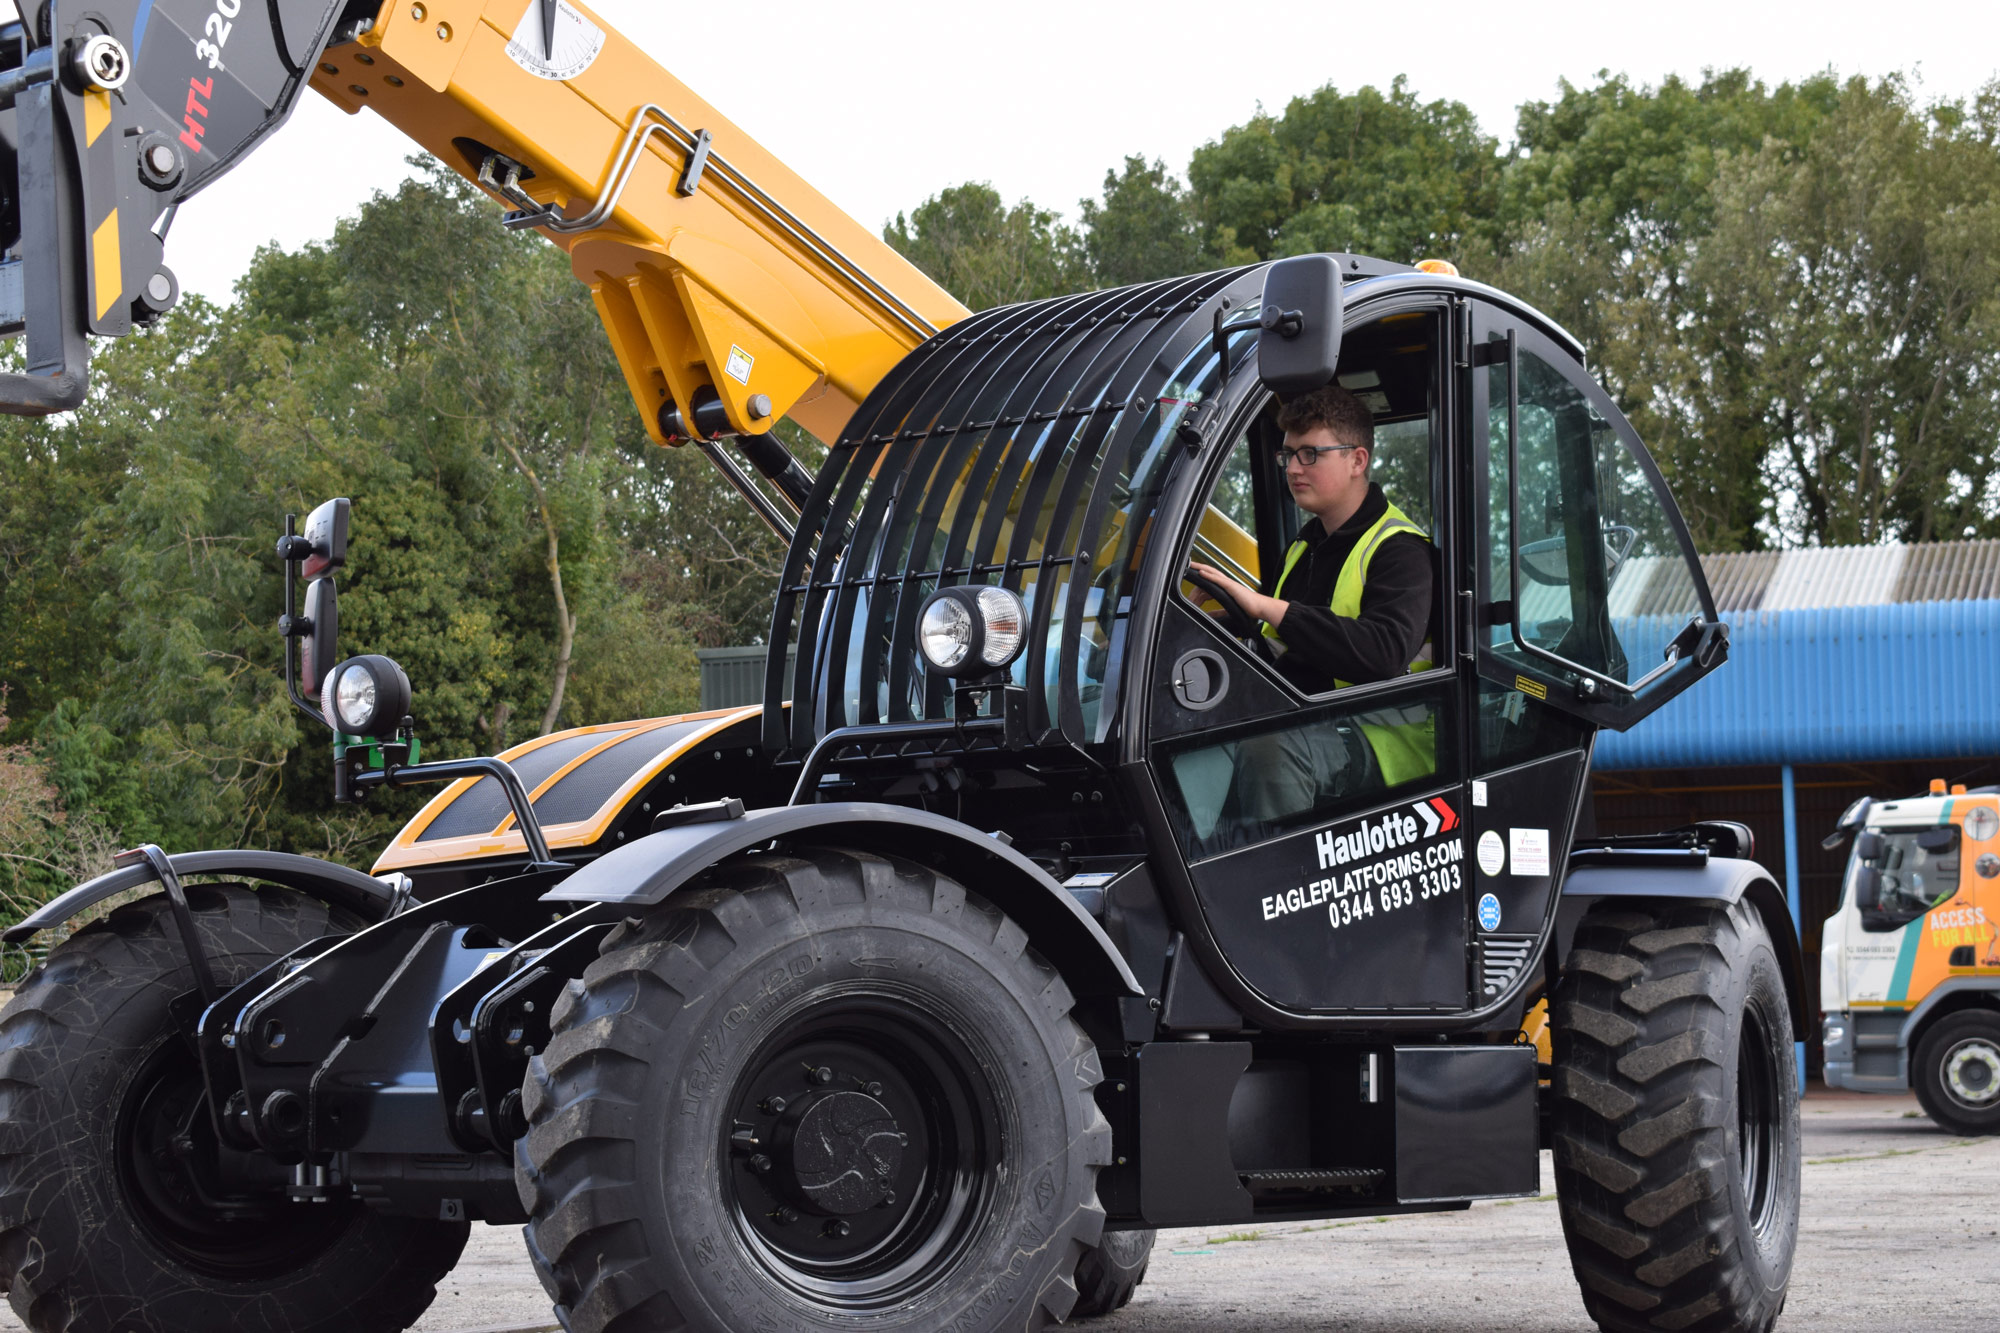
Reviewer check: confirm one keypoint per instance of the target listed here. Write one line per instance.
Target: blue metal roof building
(1834, 684)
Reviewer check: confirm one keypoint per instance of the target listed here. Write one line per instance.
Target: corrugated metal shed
(1833, 683)
(1841, 576)
(734, 677)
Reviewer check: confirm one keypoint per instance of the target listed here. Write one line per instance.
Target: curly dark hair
(1333, 407)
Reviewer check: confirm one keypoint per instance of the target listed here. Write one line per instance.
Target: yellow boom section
(715, 268)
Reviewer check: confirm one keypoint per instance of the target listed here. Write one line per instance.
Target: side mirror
(1867, 888)
(1851, 819)
(319, 650)
(326, 535)
(1298, 341)
(1868, 847)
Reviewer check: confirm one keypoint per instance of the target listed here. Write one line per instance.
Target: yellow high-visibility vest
(1406, 750)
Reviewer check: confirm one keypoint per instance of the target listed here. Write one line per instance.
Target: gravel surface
(1900, 1232)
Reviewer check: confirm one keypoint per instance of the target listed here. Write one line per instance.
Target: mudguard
(324, 880)
(647, 871)
(1723, 879)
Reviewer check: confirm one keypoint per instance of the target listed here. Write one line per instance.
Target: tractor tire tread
(1637, 1127)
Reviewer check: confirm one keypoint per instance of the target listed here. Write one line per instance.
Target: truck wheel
(1676, 1118)
(1958, 1072)
(1107, 1276)
(119, 1211)
(831, 1090)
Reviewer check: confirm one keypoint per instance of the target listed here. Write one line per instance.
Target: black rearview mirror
(326, 533)
(1298, 342)
(319, 650)
(1867, 888)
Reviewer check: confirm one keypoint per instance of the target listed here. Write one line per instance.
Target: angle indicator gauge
(555, 40)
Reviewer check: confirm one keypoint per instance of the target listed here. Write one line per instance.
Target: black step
(1356, 1180)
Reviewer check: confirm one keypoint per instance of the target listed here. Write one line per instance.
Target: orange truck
(1910, 964)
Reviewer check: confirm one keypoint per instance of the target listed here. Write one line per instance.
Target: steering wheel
(1240, 622)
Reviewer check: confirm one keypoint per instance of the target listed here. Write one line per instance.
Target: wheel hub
(1972, 1072)
(860, 1148)
(845, 1153)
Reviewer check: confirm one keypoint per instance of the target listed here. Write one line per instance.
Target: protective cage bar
(1027, 446)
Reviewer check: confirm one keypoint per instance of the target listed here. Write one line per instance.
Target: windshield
(1897, 875)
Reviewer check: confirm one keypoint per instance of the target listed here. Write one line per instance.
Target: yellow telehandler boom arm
(734, 294)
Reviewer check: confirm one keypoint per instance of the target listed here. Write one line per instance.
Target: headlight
(972, 630)
(365, 696)
(944, 632)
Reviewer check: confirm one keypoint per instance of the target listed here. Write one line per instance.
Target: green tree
(1853, 285)
(1145, 228)
(987, 254)
(1367, 171)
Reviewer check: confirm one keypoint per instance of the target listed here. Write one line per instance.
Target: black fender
(330, 883)
(646, 872)
(1721, 879)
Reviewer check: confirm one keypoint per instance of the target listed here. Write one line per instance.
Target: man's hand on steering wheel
(1231, 596)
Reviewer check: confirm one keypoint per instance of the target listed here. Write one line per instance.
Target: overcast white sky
(882, 104)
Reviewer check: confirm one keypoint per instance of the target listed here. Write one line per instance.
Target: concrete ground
(1900, 1232)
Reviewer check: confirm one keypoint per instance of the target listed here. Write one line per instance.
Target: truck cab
(1910, 964)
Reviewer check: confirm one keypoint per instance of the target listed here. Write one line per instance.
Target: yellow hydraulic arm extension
(734, 293)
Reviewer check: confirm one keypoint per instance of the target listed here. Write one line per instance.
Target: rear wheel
(1109, 1274)
(834, 1091)
(1676, 1119)
(1958, 1072)
(119, 1209)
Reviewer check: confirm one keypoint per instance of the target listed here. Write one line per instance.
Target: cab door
(1588, 608)
(1321, 835)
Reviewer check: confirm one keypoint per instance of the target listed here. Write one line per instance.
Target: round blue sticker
(1489, 912)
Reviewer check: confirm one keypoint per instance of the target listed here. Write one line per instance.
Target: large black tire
(1676, 1119)
(1957, 1072)
(101, 1229)
(828, 1091)
(1107, 1276)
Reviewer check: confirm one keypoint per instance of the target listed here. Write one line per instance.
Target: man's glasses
(1308, 454)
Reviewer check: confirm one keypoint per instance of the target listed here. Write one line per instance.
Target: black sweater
(1395, 605)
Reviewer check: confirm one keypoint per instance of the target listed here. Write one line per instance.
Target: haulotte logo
(1391, 831)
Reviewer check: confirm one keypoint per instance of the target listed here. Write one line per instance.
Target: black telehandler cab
(918, 997)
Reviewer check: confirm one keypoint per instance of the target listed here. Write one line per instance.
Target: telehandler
(918, 997)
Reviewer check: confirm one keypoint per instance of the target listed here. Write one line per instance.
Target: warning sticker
(1492, 853)
(1528, 851)
(739, 365)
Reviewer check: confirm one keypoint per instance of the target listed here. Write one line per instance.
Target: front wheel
(120, 1210)
(1958, 1072)
(1676, 1118)
(833, 1091)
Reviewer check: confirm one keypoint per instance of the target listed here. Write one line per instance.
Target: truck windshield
(1915, 870)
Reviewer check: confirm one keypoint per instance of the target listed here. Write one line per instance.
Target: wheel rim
(1759, 1118)
(859, 1161)
(169, 1169)
(1971, 1073)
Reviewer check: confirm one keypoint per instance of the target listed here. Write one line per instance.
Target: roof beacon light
(967, 631)
(1442, 267)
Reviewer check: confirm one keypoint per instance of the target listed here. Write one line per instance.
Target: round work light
(969, 631)
(365, 696)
